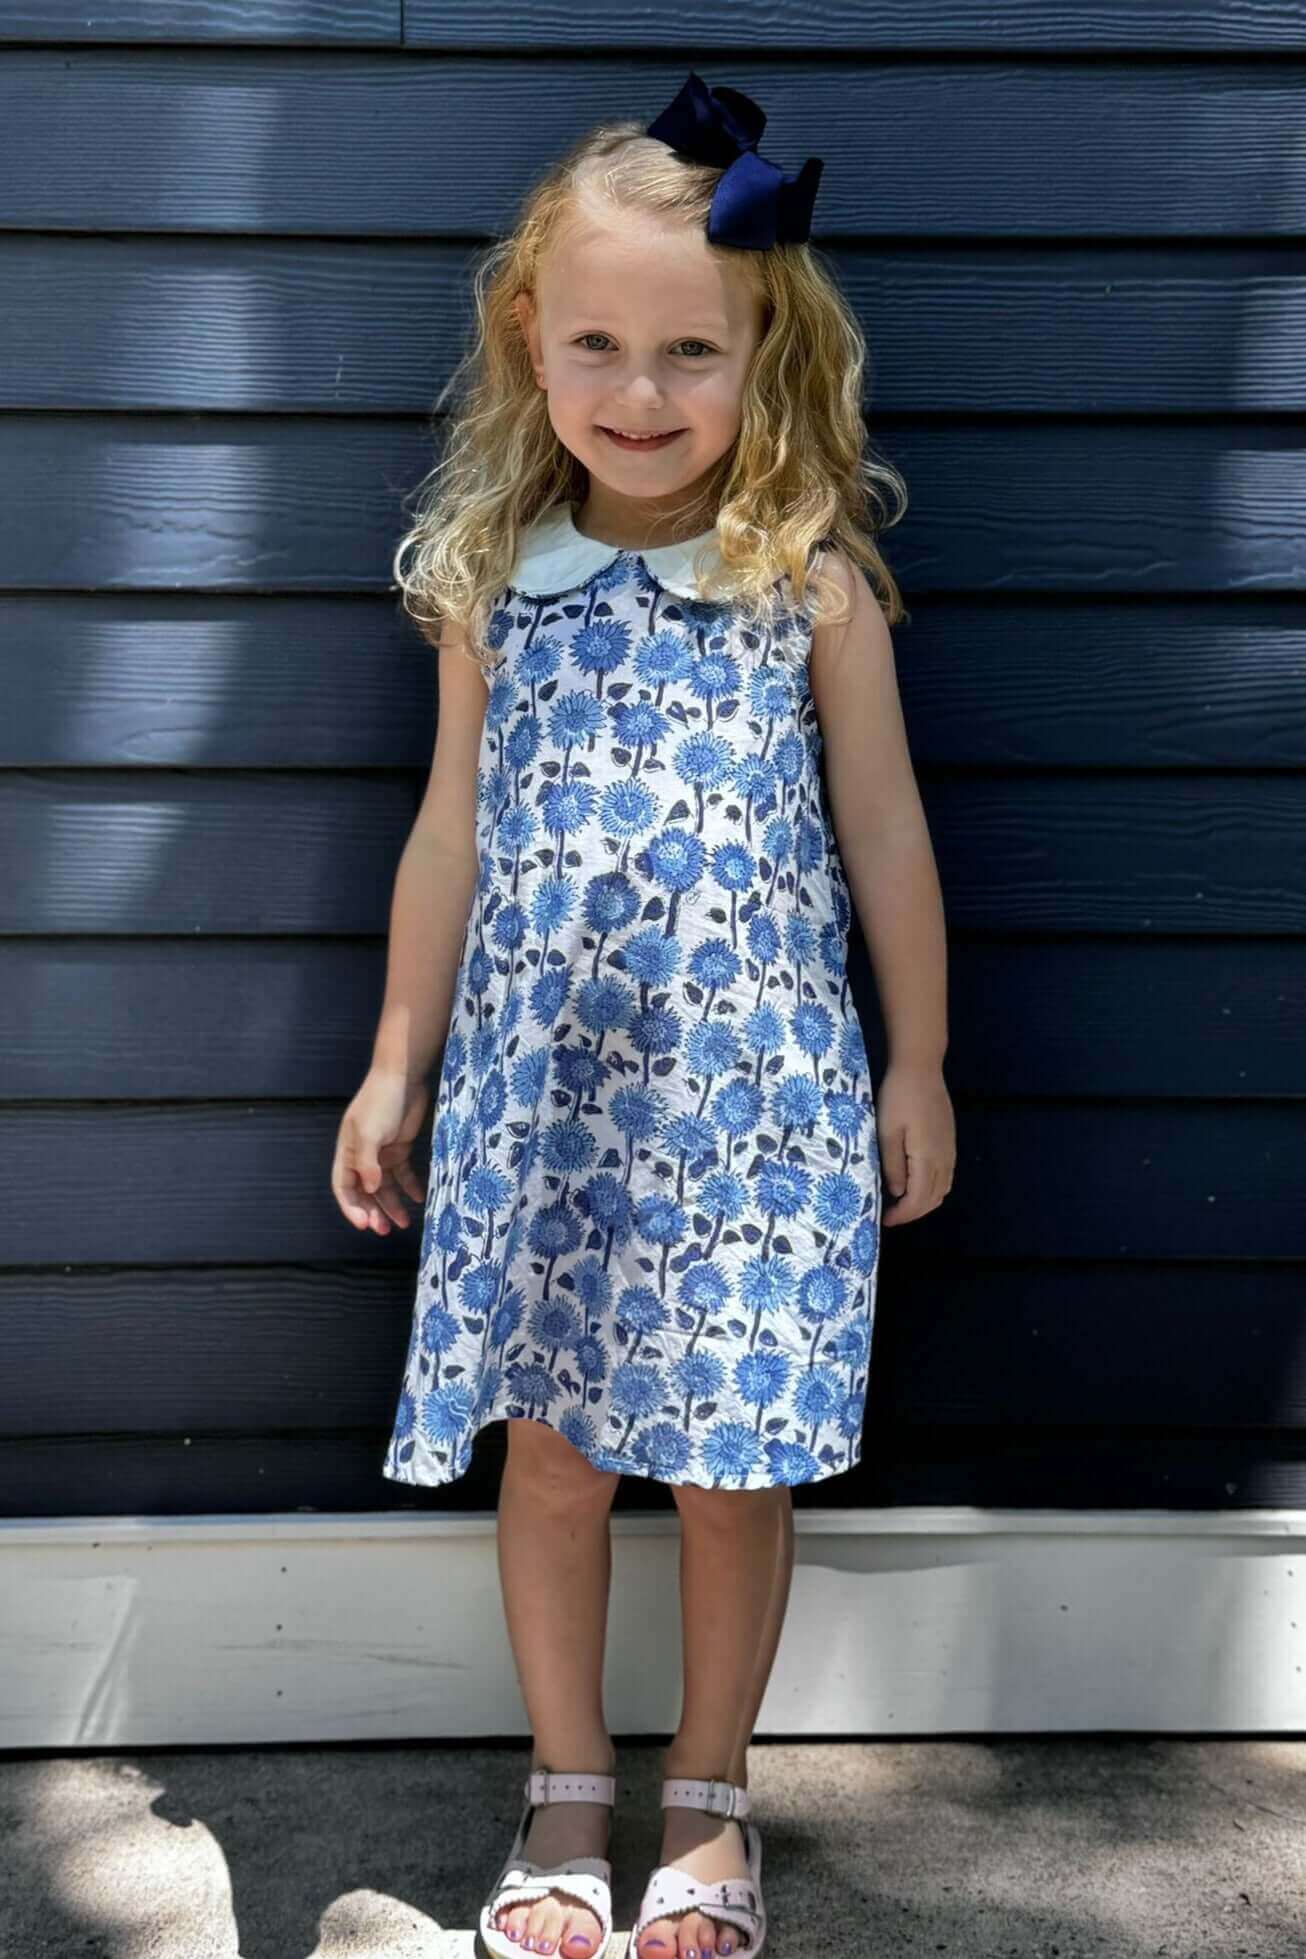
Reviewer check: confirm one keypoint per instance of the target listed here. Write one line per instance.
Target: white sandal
(521, 1882)
(736, 1900)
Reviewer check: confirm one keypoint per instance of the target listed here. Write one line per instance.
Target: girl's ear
(524, 307)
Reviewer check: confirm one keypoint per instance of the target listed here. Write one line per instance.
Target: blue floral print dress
(653, 1215)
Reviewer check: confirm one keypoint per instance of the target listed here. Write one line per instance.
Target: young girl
(652, 1230)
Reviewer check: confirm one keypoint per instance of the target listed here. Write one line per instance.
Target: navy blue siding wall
(233, 242)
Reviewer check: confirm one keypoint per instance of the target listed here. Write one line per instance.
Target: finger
(395, 1158)
(377, 1220)
(368, 1165)
(391, 1203)
(896, 1178)
(411, 1182)
(927, 1178)
(893, 1160)
(360, 1178)
(343, 1186)
(351, 1201)
(386, 1195)
(904, 1194)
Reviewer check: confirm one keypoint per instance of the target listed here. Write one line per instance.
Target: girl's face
(638, 330)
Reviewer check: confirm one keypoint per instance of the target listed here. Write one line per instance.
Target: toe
(729, 1938)
(542, 1927)
(689, 1943)
(513, 1922)
(658, 1941)
(579, 1936)
(691, 1932)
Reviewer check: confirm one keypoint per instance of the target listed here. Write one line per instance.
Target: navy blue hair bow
(756, 204)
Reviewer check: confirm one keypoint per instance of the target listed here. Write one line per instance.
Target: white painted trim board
(132, 1631)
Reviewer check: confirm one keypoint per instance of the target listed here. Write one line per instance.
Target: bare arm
(884, 841)
(436, 879)
(880, 823)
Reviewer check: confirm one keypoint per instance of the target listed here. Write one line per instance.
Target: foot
(711, 1848)
(559, 1924)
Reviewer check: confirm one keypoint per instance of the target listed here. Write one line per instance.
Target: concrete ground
(1046, 1848)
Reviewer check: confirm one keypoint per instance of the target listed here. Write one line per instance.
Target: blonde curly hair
(798, 479)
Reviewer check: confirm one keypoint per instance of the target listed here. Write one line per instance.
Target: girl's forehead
(632, 266)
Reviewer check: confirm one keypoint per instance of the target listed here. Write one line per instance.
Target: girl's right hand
(371, 1169)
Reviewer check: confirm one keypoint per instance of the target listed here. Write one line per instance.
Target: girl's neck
(627, 531)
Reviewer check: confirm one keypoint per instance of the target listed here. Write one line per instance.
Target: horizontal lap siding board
(907, 26)
(236, 1344)
(1136, 683)
(1179, 1019)
(120, 1475)
(1176, 328)
(205, 851)
(313, 504)
(330, 23)
(246, 1182)
(196, 140)
(1228, 26)
(234, 283)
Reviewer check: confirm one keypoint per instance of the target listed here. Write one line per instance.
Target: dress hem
(624, 1467)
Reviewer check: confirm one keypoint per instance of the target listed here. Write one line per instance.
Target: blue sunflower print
(652, 1221)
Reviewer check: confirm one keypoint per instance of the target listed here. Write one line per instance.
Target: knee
(553, 1474)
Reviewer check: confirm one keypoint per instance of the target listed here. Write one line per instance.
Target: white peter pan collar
(555, 557)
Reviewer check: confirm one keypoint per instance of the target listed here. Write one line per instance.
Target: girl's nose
(640, 388)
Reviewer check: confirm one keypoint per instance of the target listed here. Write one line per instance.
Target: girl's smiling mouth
(640, 441)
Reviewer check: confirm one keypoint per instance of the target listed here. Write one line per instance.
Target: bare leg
(736, 1567)
(555, 1567)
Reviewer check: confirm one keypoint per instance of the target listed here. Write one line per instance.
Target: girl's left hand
(918, 1140)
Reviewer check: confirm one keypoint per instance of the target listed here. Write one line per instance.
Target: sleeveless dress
(652, 1219)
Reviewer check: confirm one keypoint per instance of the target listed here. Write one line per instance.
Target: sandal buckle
(723, 1805)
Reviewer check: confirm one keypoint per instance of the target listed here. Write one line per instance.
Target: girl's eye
(603, 336)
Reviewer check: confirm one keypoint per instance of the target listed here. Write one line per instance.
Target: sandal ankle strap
(557, 1786)
(718, 1798)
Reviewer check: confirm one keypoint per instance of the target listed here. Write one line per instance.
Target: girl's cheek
(571, 410)
(724, 403)
(582, 402)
